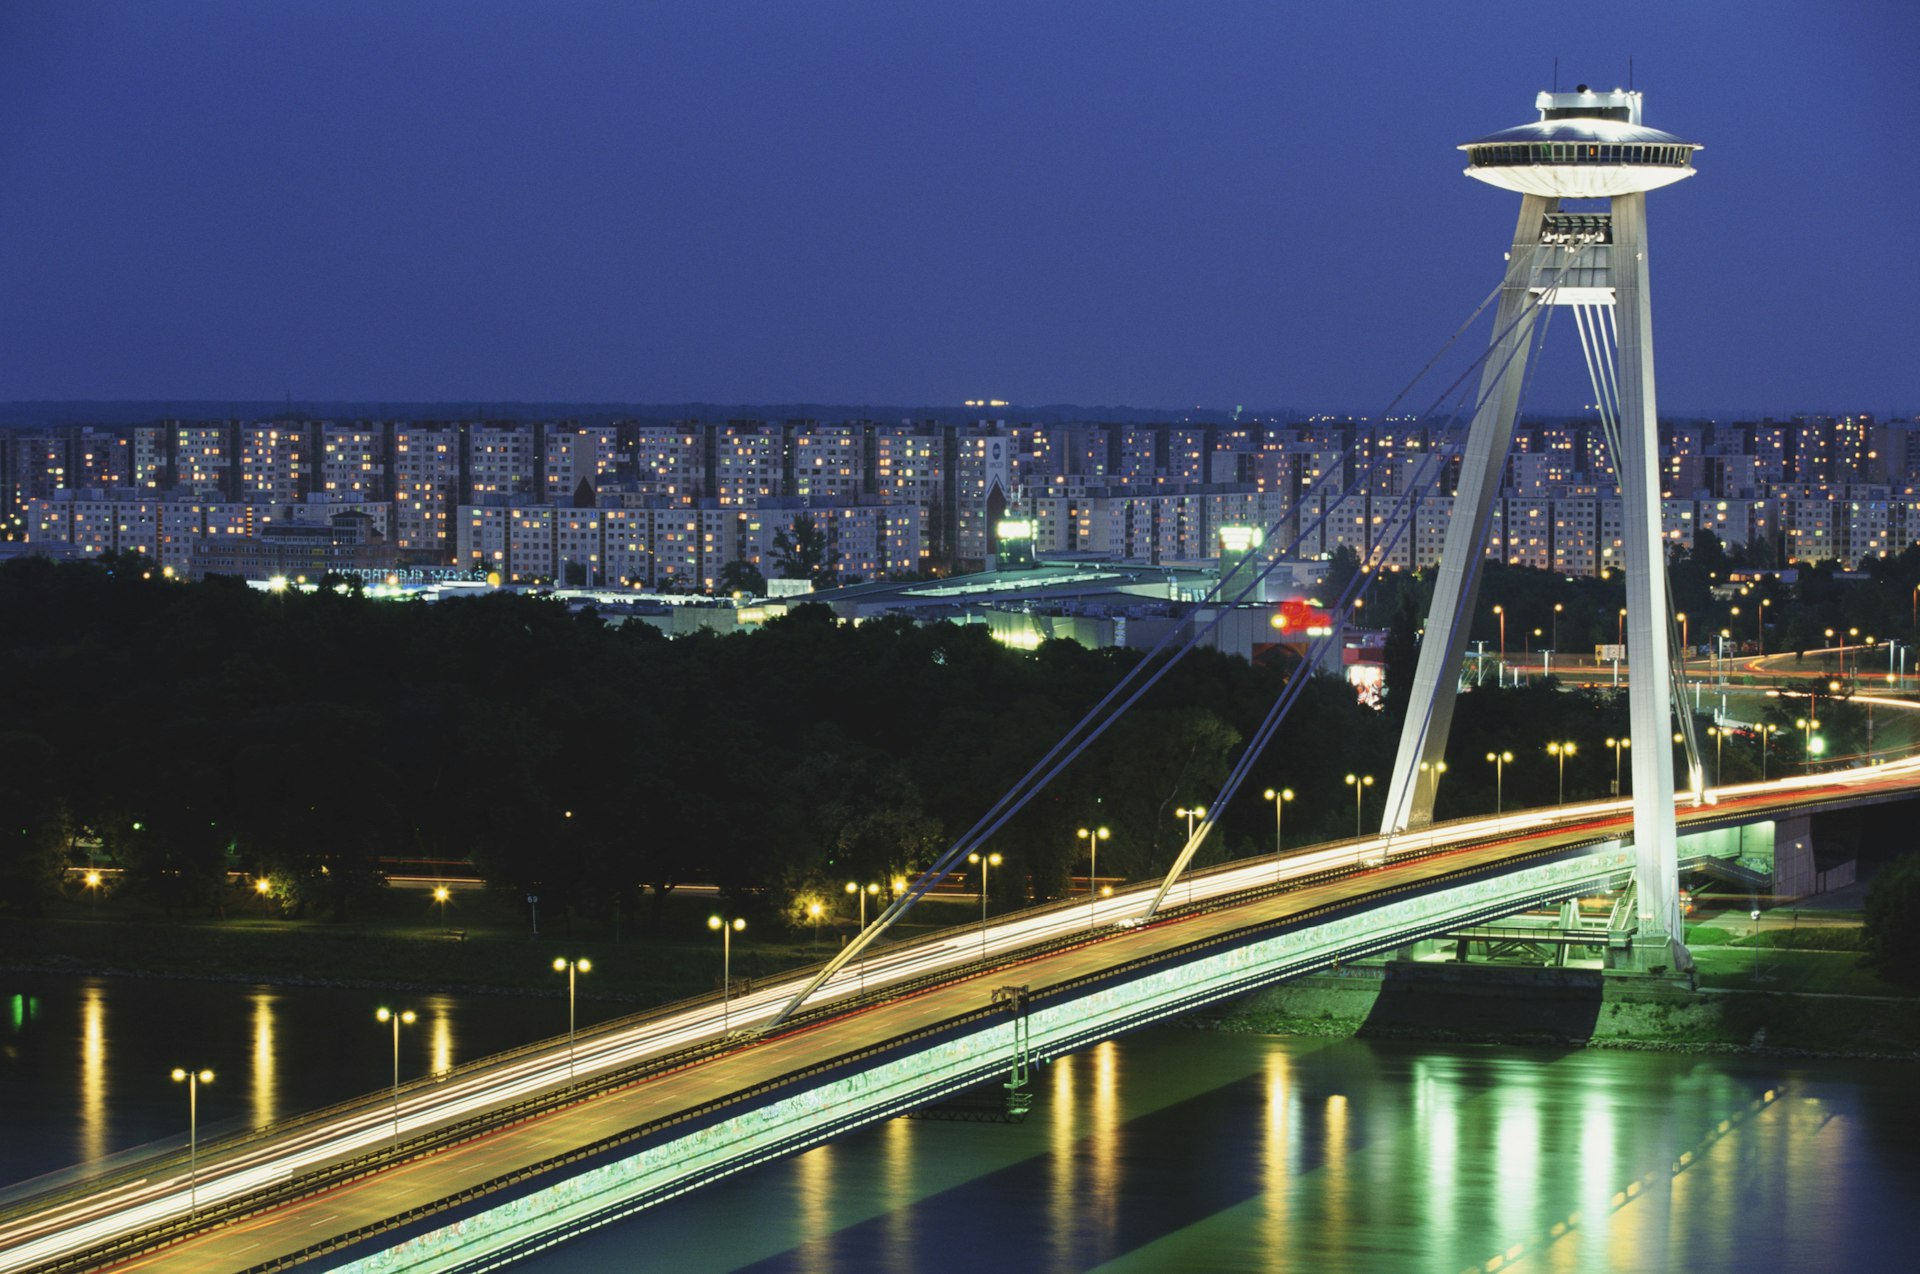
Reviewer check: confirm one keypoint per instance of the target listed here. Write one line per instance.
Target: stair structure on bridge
(1585, 146)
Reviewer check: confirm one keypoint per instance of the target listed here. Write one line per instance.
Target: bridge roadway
(287, 1195)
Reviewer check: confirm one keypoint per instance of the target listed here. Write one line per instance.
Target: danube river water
(1169, 1150)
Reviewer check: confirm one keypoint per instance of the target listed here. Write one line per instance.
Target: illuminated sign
(1014, 529)
(1240, 539)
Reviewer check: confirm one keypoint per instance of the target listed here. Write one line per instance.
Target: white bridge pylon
(1585, 146)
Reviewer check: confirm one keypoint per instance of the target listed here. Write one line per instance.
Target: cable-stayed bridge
(475, 1168)
(508, 1155)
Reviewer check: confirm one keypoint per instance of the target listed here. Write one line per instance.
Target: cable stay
(1598, 340)
(1147, 672)
(1343, 606)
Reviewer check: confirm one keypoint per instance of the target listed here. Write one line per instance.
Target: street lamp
(1197, 811)
(1359, 783)
(814, 911)
(1561, 751)
(1620, 628)
(1557, 608)
(1719, 743)
(92, 881)
(1616, 745)
(1808, 725)
(263, 887)
(872, 889)
(1685, 645)
(409, 1017)
(1093, 837)
(440, 895)
(569, 967)
(193, 1080)
(1499, 762)
(1767, 731)
(985, 862)
(1279, 796)
(1760, 623)
(1500, 613)
(727, 929)
(1430, 772)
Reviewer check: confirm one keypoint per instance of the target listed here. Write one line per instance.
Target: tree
(804, 553)
(32, 824)
(1341, 568)
(742, 576)
(1893, 921)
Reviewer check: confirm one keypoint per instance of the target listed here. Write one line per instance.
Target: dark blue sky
(1128, 201)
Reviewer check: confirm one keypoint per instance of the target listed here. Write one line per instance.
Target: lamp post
(1719, 743)
(872, 888)
(853, 887)
(1093, 837)
(1685, 645)
(1557, 608)
(408, 1017)
(1500, 613)
(1620, 628)
(1359, 783)
(1279, 796)
(1561, 751)
(193, 1080)
(1760, 622)
(562, 964)
(1754, 915)
(1499, 762)
(1431, 771)
(92, 881)
(440, 895)
(263, 887)
(1767, 731)
(1807, 725)
(1197, 811)
(814, 911)
(985, 861)
(1616, 745)
(727, 929)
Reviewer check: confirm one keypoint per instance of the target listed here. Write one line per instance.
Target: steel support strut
(1423, 735)
(1655, 838)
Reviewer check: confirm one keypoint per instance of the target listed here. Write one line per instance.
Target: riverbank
(637, 971)
(1574, 1008)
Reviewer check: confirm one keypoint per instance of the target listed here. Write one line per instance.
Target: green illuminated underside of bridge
(1059, 1021)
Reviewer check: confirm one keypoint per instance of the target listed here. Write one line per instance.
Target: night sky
(1123, 202)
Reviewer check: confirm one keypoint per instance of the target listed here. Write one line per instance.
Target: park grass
(1792, 972)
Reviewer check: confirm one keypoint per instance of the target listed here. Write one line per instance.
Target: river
(1168, 1150)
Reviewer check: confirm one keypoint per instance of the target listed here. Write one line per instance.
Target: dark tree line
(184, 731)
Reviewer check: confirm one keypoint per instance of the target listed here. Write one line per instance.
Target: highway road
(964, 965)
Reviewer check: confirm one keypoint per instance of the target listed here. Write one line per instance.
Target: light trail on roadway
(249, 1163)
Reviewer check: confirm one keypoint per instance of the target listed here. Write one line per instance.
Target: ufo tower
(1586, 146)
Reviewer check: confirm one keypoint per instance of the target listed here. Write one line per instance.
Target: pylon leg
(1659, 936)
(1423, 735)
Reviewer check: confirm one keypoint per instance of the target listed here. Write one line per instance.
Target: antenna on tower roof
(1629, 72)
(1556, 74)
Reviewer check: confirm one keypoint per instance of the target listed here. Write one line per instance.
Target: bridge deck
(281, 1226)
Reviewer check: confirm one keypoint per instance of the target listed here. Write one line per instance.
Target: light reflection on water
(266, 1087)
(84, 1062)
(1177, 1150)
(93, 1074)
(1170, 1150)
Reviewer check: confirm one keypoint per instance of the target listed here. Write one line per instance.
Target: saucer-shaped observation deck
(1585, 145)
